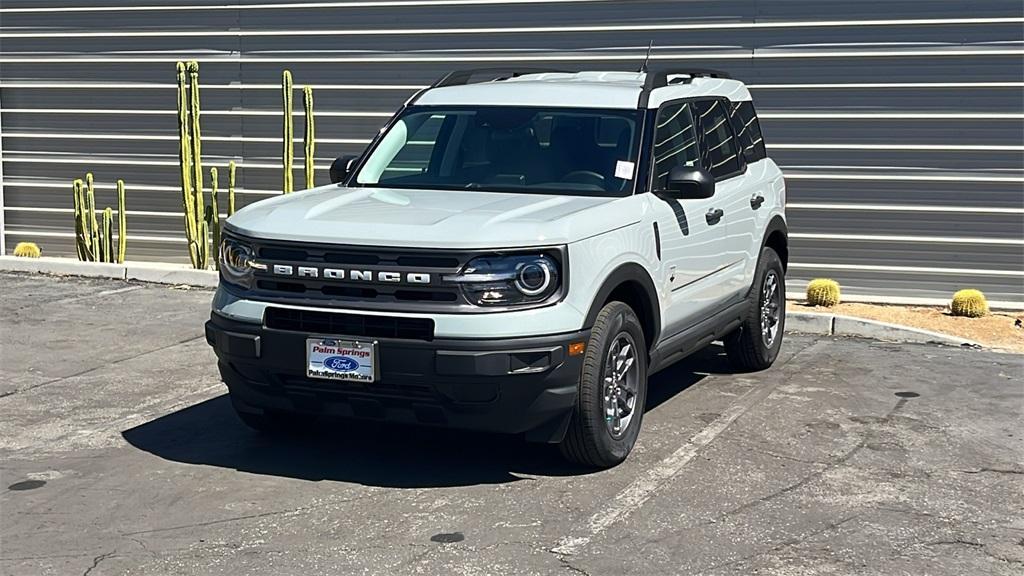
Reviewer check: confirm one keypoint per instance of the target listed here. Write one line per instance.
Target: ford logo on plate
(341, 363)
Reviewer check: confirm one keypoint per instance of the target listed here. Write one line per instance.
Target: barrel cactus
(970, 303)
(27, 250)
(823, 292)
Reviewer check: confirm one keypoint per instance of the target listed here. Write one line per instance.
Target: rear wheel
(756, 343)
(612, 391)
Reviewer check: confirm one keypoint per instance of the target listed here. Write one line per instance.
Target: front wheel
(612, 391)
(755, 344)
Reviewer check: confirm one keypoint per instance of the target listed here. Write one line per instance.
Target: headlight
(236, 262)
(509, 280)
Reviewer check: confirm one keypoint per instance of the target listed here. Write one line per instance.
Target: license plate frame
(343, 352)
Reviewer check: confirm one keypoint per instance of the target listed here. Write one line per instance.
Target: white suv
(515, 254)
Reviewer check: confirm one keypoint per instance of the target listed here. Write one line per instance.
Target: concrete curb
(800, 322)
(833, 325)
(143, 271)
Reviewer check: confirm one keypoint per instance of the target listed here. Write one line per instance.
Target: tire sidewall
(621, 319)
(769, 261)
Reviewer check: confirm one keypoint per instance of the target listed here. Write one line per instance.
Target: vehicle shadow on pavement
(377, 454)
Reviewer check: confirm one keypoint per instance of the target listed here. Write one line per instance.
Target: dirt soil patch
(997, 330)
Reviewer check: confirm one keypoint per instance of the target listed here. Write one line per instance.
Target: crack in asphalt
(97, 560)
(993, 470)
(831, 465)
(243, 517)
(104, 365)
(954, 542)
(564, 560)
(784, 544)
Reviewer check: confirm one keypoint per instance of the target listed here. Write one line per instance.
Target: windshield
(508, 149)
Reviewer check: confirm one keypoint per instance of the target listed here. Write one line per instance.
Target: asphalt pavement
(119, 454)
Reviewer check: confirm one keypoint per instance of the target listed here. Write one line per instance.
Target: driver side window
(675, 141)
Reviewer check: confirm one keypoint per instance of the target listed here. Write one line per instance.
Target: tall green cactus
(122, 223)
(94, 240)
(82, 244)
(288, 136)
(231, 187)
(106, 236)
(190, 164)
(309, 138)
(90, 208)
(213, 215)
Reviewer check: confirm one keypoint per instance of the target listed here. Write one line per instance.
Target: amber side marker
(577, 348)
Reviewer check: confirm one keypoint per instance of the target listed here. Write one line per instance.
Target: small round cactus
(970, 303)
(823, 292)
(27, 250)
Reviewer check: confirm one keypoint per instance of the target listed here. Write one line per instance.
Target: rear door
(753, 207)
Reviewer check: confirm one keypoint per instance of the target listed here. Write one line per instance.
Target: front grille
(435, 295)
(347, 324)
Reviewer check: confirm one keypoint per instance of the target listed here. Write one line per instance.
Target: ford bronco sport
(516, 251)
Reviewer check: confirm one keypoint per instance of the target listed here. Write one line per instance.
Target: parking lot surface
(119, 454)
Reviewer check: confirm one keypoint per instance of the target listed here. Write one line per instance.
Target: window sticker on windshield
(624, 170)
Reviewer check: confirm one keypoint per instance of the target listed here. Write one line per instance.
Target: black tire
(269, 422)
(746, 346)
(590, 440)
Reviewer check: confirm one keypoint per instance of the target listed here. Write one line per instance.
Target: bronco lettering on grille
(385, 276)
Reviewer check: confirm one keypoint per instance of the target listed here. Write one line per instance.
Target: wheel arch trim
(630, 273)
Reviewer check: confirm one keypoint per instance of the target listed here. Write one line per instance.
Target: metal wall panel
(899, 124)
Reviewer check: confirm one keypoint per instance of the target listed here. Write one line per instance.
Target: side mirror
(342, 167)
(689, 183)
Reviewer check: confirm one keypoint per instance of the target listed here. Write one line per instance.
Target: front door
(692, 234)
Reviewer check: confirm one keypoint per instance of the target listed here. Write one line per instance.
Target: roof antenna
(643, 67)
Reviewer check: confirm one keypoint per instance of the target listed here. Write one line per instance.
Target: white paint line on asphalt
(641, 490)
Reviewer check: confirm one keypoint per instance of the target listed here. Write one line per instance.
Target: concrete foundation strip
(177, 274)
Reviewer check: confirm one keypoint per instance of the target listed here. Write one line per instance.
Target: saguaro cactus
(288, 132)
(309, 138)
(190, 163)
(122, 223)
(230, 188)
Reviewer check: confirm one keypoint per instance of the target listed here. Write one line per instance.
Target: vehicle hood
(428, 218)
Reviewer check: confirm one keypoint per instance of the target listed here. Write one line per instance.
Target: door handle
(756, 200)
(713, 216)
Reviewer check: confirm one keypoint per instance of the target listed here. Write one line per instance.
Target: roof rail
(659, 78)
(461, 77)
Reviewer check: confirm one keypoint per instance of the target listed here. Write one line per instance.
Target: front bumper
(511, 385)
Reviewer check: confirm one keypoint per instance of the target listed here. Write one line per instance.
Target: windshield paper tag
(624, 170)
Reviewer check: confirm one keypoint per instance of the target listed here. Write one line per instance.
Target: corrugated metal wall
(900, 124)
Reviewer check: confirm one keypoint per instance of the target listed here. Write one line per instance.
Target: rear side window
(748, 130)
(719, 151)
(675, 141)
